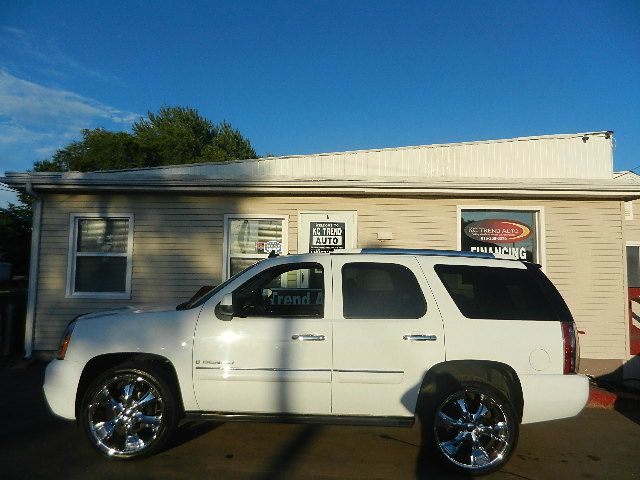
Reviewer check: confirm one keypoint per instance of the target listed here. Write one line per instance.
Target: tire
(471, 428)
(129, 411)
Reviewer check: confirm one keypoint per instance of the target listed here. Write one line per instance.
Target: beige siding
(178, 247)
(585, 259)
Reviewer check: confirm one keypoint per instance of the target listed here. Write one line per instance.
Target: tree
(177, 135)
(99, 149)
(15, 241)
(227, 144)
(173, 136)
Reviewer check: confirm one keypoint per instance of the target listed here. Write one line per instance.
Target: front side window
(100, 256)
(381, 290)
(507, 233)
(250, 240)
(284, 291)
(502, 293)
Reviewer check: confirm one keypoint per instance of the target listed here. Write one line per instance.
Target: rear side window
(381, 290)
(501, 293)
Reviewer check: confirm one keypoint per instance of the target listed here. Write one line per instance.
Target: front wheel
(474, 428)
(129, 411)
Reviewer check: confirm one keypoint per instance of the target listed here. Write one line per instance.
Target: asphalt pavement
(598, 444)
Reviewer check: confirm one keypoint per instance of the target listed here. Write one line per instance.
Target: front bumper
(550, 397)
(61, 381)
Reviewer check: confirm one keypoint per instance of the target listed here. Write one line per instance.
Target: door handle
(308, 337)
(420, 338)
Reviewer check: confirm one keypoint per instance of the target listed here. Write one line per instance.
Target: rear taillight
(571, 347)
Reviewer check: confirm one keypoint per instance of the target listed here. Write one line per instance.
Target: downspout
(34, 262)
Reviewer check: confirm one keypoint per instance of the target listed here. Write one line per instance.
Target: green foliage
(227, 144)
(15, 241)
(177, 135)
(173, 136)
(99, 149)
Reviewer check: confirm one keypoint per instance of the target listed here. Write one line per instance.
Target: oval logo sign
(497, 231)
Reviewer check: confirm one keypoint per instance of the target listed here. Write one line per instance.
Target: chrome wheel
(473, 430)
(125, 414)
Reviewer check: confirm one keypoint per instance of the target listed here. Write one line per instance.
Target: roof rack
(426, 252)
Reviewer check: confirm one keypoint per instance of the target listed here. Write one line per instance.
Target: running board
(356, 420)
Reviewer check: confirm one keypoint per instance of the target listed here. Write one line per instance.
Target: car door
(387, 333)
(274, 355)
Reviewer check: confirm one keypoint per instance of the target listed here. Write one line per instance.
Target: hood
(127, 311)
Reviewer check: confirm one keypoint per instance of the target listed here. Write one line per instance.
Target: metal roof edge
(346, 152)
(347, 187)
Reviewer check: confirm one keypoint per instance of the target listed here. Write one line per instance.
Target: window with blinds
(100, 256)
(251, 239)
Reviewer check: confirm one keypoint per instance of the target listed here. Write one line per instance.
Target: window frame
(288, 267)
(539, 216)
(629, 243)
(73, 254)
(382, 318)
(226, 256)
(546, 290)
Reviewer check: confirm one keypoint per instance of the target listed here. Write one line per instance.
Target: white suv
(471, 344)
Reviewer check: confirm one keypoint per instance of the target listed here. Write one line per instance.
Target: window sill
(100, 295)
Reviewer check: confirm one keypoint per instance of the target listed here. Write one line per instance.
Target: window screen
(381, 290)
(502, 293)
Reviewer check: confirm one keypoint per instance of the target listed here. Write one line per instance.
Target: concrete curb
(601, 398)
(605, 399)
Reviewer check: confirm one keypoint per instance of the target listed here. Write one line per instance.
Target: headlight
(66, 338)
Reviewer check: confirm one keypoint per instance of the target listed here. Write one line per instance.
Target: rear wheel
(129, 411)
(473, 428)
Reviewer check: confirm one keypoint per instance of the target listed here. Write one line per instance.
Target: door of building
(326, 231)
(320, 232)
(633, 279)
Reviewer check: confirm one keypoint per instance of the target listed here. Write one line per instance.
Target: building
(156, 235)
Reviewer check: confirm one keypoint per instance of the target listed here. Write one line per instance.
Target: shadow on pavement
(190, 430)
(623, 382)
(285, 461)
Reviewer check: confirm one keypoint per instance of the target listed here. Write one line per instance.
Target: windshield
(205, 294)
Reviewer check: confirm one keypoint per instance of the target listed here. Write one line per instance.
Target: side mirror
(224, 310)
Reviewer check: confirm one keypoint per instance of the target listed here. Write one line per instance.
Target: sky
(304, 77)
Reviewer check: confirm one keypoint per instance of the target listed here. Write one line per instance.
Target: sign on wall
(505, 233)
(326, 236)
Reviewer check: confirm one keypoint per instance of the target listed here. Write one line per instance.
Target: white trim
(29, 328)
(72, 254)
(628, 210)
(540, 225)
(355, 186)
(250, 216)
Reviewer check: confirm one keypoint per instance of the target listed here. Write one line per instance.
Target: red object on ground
(600, 398)
(634, 331)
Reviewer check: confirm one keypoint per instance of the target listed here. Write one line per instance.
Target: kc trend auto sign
(497, 231)
(505, 233)
(326, 236)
